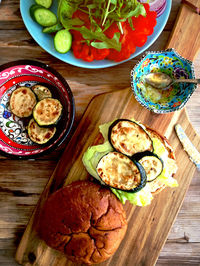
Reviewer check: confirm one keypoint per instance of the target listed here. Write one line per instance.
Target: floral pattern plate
(14, 140)
(171, 63)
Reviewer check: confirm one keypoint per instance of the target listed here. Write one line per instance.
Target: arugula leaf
(99, 35)
(70, 23)
(66, 8)
(106, 11)
(109, 43)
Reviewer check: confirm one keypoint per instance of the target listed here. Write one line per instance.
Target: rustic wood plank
(187, 22)
(96, 82)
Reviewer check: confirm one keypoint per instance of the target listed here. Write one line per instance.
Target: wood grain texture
(147, 227)
(185, 37)
(20, 191)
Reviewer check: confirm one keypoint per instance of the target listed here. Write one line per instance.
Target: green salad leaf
(93, 155)
(106, 11)
(143, 197)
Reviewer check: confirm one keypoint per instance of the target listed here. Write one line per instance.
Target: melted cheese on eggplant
(129, 138)
(118, 171)
(22, 102)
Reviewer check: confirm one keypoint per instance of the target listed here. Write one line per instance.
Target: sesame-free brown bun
(83, 220)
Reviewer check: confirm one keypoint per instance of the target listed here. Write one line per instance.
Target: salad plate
(47, 43)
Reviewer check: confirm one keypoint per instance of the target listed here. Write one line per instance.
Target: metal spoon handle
(196, 81)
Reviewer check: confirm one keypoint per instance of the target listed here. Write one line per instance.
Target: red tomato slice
(143, 27)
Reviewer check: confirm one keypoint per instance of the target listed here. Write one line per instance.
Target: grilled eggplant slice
(40, 135)
(22, 102)
(129, 138)
(119, 171)
(41, 92)
(151, 163)
(47, 112)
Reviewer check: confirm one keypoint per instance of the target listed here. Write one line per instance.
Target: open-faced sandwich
(135, 161)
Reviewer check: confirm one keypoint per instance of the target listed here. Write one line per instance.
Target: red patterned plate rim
(14, 141)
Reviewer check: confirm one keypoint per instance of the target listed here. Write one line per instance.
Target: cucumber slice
(44, 17)
(44, 3)
(53, 28)
(63, 41)
(32, 10)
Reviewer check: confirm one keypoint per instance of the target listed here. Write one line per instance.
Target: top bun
(83, 220)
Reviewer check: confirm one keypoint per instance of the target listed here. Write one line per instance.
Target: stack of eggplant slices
(44, 111)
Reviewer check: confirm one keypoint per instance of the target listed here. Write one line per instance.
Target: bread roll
(83, 220)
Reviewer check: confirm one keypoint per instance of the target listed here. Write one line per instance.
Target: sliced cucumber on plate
(44, 3)
(63, 41)
(43, 16)
(46, 18)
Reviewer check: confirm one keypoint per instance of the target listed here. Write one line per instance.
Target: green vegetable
(32, 10)
(43, 16)
(63, 41)
(107, 11)
(143, 197)
(53, 28)
(44, 3)
(90, 160)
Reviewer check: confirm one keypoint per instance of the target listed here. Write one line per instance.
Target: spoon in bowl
(162, 81)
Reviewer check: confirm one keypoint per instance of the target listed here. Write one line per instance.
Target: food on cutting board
(97, 30)
(129, 137)
(46, 112)
(22, 102)
(135, 161)
(85, 221)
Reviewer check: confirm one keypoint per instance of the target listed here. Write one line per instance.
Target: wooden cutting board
(149, 226)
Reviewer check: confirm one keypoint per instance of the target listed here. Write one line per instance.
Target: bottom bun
(83, 220)
(156, 186)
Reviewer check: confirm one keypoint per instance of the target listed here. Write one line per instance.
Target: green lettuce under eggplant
(143, 197)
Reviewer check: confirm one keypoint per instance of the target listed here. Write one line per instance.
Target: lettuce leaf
(143, 197)
(140, 198)
(93, 155)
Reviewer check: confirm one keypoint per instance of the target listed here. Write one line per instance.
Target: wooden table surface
(21, 182)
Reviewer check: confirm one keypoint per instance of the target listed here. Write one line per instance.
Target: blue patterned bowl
(171, 63)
